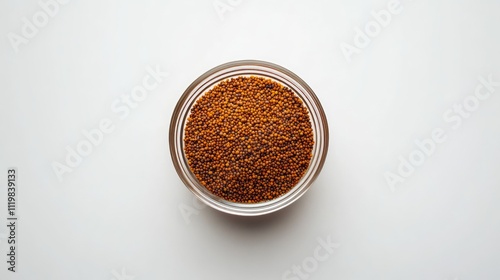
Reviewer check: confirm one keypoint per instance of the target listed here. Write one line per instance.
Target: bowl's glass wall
(248, 68)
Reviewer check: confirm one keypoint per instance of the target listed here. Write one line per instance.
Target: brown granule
(248, 139)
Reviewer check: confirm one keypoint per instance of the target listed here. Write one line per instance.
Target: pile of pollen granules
(248, 139)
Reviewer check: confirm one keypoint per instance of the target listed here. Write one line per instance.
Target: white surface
(117, 214)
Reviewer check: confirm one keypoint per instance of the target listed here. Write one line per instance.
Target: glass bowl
(248, 68)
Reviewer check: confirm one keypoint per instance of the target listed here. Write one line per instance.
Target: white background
(117, 214)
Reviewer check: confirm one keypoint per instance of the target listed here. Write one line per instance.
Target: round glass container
(248, 68)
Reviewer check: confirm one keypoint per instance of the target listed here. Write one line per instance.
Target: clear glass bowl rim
(248, 68)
